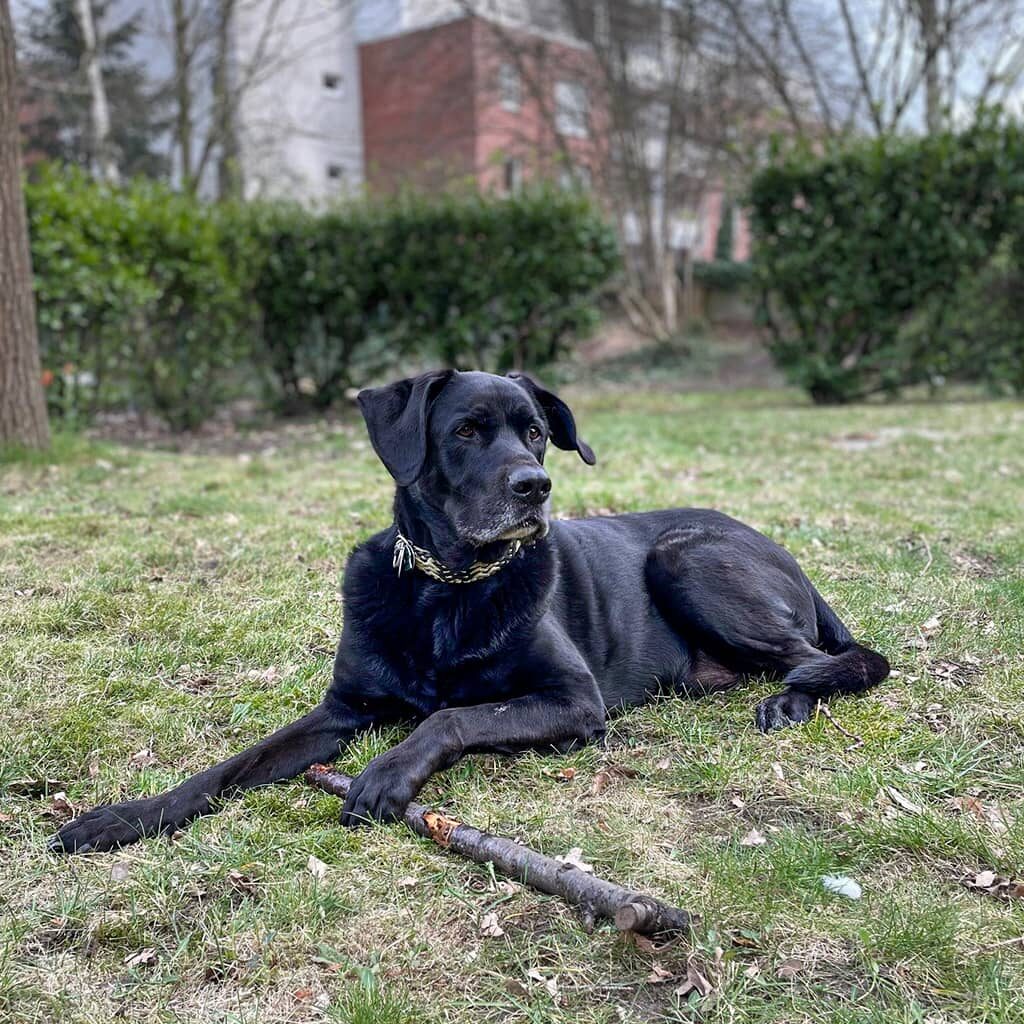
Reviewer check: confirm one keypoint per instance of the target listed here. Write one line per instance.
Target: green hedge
(150, 299)
(865, 252)
(138, 304)
(723, 275)
(463, 281)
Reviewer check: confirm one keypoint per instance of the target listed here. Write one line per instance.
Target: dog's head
(472, 446)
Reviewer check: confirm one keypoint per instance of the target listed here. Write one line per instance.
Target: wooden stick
(631, 911)
(827, 715)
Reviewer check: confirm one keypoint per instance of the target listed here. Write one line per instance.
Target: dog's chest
(453, 650)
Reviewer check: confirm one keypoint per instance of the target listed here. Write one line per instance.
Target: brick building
(470, 99)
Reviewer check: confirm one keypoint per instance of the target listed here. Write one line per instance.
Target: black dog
(497, 630)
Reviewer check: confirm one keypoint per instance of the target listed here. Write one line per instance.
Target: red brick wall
(419, 115)
(529, 132)
(432, 108)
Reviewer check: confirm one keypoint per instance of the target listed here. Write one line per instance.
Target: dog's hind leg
(733, 593)
(842, 666)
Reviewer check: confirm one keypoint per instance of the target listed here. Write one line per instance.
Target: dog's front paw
(381, 793)
(790, 707)
(113, 825)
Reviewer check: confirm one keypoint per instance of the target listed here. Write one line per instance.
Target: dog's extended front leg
(282, 755)
(570, 715)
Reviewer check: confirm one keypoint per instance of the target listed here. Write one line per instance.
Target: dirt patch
(974, 564)
(235, 430)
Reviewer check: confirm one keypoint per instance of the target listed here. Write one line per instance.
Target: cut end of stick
(647, 916)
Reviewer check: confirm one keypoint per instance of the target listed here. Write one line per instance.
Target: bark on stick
(596, 897)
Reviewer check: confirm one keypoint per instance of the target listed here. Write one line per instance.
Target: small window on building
(510, 87)
(331, 82)
(571, 109)
(513, 175)
(335, 172)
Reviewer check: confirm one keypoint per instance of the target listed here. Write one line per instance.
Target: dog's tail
(845, 667)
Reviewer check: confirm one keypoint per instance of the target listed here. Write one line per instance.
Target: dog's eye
(534, 433)
(467, 430)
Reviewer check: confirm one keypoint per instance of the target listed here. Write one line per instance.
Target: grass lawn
(160, 611)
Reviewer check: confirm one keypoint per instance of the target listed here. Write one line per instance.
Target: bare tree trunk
(229, 179)
(22, 404)
(183, 91)
(928, 18)
(102, 146)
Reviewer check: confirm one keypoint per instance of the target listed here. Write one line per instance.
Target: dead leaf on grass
(647, 945)
(265, 675)
(551, 984)
(753, 838)
(659, 975)
(33, 787)
(143, 958)
(901, 801)
(990, 814)
(120, 870)
(604, 777)
(143, 758)
(408, 882)
(994, 885)
(61, 806)
(489, 926)
(789, 969)
(695, 982)
(316, 867)
(242, 882)
(574, 859)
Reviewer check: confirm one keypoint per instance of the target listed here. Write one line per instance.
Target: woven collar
(408, 556)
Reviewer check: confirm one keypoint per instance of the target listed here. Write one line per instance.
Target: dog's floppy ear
(396, 419)
(560, 419)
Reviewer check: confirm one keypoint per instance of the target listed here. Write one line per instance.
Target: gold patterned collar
(408, 556)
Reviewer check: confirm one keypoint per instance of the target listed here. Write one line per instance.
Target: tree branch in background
(103, 148)
(907, 63)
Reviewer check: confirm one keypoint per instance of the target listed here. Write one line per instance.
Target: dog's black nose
(530, 483)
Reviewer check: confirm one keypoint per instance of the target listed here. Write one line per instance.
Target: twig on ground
(928, 552)
(631, 911)
(827, 715)
(1017, 940)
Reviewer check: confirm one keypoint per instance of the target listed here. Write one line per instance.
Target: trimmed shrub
(723, 275)
(154, 300)
(137, 302)
(982, 334)
(863, 252)
(464, 280)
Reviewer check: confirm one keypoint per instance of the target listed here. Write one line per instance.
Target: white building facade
(299, 119)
